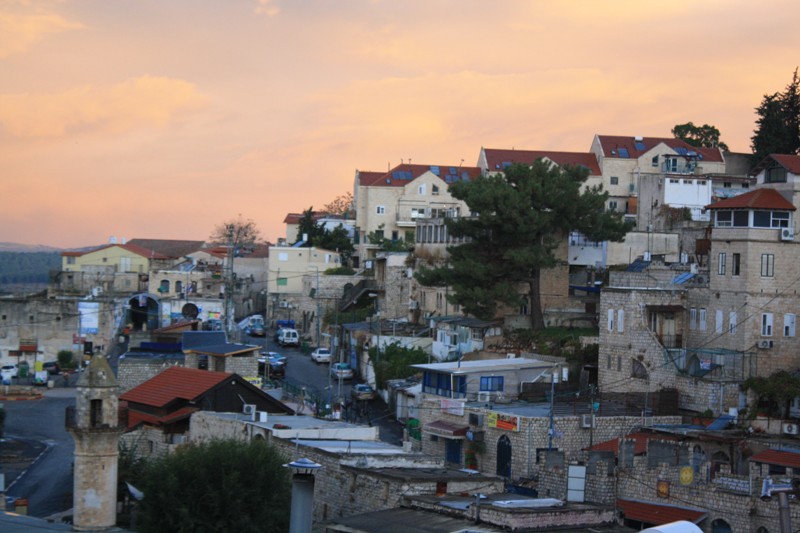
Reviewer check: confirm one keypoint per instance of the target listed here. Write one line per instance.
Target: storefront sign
(503, 421)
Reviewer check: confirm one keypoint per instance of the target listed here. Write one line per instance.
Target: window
(732, 322)
(621, 320)
(395, 236)
(789, 321)
(435, 190)
(619, 363)
(671, 165)
(380, 209)
(702, 319)
(722, 263)
(770, 219)
(693, 318)
(70, 260)
(492, 383)
(421, 190)
(283, 256)
(736, 263)
(614, 180)
(775, 175)
(608, 361)
(718, 321)
(726, 185)
(727, 219)
(612, 205)
(610, 320)
(282, 282)
(766, 324)
(654, 161)
(767, 265)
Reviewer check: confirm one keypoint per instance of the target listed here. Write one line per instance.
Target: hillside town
(657, 390)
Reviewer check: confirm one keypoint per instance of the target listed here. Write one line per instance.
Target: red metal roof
(611, 145)
(174, 383)
(655, 514)
(495, 158)
(136, 418)
(639, 446)
(778, 457)
(763, 198)
(388, 179)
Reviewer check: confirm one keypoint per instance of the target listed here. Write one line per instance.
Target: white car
(10, 370)
(321, 355)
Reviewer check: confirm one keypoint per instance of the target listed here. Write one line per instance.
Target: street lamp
(301, 517)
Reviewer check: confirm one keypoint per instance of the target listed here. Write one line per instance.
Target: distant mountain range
(14, 247)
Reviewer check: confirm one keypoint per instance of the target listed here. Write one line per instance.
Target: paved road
(47, 484)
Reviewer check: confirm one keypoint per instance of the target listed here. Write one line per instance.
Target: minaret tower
(94, 425)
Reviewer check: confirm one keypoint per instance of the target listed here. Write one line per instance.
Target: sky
(161, 119)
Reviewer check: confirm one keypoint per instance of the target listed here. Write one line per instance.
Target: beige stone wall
(132, 372)
(117, 257)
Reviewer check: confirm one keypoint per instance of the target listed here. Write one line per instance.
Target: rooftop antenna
(462, 162)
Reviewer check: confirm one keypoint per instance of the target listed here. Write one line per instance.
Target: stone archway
(143, 312)
(720, 526)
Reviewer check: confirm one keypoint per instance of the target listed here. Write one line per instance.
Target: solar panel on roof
(623, 152)
(506, 164)
(453, 171)
(465, 176)
(435, 169)
(681, 150)
(640, 146)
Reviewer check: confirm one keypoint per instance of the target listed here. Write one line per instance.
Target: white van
(289, 337)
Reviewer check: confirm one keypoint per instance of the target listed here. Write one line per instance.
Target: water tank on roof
(681, 526)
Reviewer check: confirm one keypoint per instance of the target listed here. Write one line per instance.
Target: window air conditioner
(587, 421)
(765, 345)
(249, 409)
(647, 421)
(484, 396)
(791, 429)
(787, 234)
(284, 304)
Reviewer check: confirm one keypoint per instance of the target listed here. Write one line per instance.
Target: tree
(394, 361)
(778, 123)
(309, 228)
(224, 485)
(705, 136)
(338, 240)
(776, 391)
(237, 232)
(521, 218)
(387, 245)
(342, 205)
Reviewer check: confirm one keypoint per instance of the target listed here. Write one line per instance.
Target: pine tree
(778, 123)
(519, 219)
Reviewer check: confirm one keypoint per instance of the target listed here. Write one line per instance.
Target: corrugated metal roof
(655, 514)
(778, 457)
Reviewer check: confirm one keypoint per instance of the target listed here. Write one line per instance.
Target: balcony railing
(670, 341)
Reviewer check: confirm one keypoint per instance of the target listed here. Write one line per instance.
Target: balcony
(670, 341)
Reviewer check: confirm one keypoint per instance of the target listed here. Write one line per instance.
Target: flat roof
(483, 365)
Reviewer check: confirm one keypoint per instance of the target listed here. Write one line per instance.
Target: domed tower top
(98, 374)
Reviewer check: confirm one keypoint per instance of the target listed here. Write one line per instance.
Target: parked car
(256, 330)
(274, 355)
(362, 392)
(321, 355)
(10, 370)
(341, 371)
(52, 367)
(276, 362)
(289, 337)
(278, 334)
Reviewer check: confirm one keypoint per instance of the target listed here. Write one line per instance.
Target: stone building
(95, 427)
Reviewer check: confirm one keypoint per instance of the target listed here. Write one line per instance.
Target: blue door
(452, 451)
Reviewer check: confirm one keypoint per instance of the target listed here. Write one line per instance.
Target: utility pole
(228, 303)
(316, 297)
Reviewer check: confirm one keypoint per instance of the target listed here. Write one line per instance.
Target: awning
(445, 429)
(652, 513)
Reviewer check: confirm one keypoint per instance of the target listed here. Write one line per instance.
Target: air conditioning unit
(787, 234)
(284, 304)
(647, 421)
(476, 419)
(587, 421)
(765, 345)
(484, 396)
(791, 429)
(249, 409)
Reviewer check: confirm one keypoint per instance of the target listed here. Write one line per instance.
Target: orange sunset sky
(162, 118)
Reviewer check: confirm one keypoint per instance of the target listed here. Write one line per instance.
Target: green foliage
(388, 245)
(342, 206)
(317, 235)
(705, 136)
(521, 219)
(394, 361)
(28, 267)
(778, 123)
(308, 227)
(774, 392)
(224, 485)
(340, 271)
(66, 359)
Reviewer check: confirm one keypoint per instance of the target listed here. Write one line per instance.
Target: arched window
(178, 287)
(720, 526)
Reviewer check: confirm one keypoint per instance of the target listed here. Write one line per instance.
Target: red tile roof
(137, 417)
(174, 383)
(388, 179)
(655, 514)
(611, 145)
(763, 198)
(133, 248)
(789, 162)
(295, 218)
(778, 457)
(495, 158)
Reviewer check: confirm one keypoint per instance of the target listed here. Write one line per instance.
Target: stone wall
(132, 372)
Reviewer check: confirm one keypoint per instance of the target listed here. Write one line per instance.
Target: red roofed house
(327, 221)
(160, 408)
